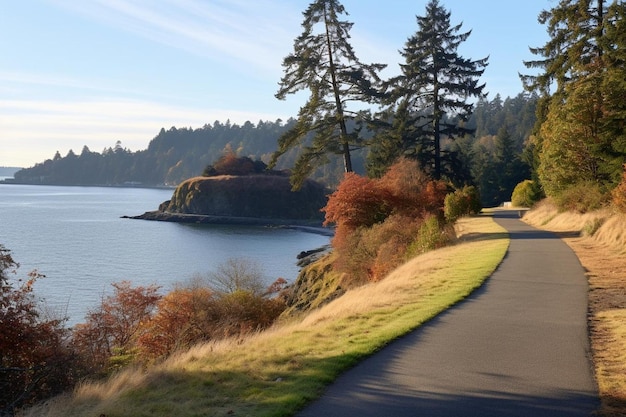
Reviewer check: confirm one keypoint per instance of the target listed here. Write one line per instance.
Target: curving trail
(517, 347)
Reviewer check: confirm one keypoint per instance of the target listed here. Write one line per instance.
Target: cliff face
(254, 196)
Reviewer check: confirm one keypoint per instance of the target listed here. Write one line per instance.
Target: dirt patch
(597, 240)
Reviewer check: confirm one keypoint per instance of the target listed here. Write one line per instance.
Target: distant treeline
(501, 128)
(8, 171)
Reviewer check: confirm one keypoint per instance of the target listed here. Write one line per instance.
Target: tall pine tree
(432, 93)
(324, 63)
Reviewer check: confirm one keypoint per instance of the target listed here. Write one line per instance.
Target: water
(75, 236)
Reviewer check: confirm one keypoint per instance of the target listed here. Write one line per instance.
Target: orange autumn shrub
(198, 313)
(378, 219)
(184, 317)
(107, 339)
(390, 240)
(413, 192)
(358, 201)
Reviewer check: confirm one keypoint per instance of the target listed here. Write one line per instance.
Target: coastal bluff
(246, 199)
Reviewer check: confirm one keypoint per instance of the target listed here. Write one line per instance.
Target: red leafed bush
(231, 304)
(378, 219)
(184, 317)
(35, 362)
(112, 329)
(358, 202)
(413, 192)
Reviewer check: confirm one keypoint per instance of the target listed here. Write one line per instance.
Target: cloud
(229, 31)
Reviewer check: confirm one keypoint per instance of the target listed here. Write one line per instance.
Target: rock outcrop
(250, 199)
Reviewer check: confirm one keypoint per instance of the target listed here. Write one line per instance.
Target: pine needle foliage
(324, 63)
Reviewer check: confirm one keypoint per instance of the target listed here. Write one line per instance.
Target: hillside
(277, 371)
(176, 154)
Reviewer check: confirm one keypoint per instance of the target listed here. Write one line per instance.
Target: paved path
(517, 347)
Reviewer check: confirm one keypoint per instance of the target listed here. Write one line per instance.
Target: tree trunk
(436, 126)
(347, 160)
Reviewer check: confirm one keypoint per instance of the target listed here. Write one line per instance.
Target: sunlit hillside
(276, 372)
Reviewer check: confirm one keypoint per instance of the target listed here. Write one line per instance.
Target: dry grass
(599, 241)
(276, 372)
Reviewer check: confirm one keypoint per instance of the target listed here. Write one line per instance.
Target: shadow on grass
(222, 393)
(613, 406)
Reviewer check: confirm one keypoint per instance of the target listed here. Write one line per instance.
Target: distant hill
(172, 156)
(8, 172)
(177, 154)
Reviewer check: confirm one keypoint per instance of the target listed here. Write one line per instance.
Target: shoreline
(310, 226)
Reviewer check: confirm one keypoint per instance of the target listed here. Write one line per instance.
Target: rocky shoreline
(312, 226)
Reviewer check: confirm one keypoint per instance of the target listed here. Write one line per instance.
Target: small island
(237, 190)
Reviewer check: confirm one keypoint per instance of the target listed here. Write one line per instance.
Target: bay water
(76, 237)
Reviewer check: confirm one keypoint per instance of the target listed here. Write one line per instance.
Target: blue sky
(92, 72)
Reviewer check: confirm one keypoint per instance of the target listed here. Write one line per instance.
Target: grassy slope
(277, 372)
(599, 240)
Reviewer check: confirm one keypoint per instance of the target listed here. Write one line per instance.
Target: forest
(502, 127)
(430, 149)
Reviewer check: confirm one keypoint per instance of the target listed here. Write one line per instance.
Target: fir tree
(324, 63)
(433, 91)
(581, 134)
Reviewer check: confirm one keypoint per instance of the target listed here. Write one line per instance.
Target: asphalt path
(517, 347)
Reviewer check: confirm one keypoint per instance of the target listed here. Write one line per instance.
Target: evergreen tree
(581, 138)
(613, 131)
(394, 132)
(324, 63)
(433, 91)
(576, 30)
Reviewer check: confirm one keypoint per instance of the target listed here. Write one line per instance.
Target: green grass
(277, 372)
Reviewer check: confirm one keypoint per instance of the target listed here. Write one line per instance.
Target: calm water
(75, 236)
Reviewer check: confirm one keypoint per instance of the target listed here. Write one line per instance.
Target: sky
(77, 73)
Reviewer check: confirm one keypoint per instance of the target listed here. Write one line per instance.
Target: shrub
(619, 193)
(230, 303)
(111, 331)
(388, 242)
(35, 361)
(230, 164)
(377, 219)
(238, 274)
(525, 194)
(582, 197)
(412, 192)
(242, 312)
(431, 235)
(462, 202)
(184, 317)
(358, 202)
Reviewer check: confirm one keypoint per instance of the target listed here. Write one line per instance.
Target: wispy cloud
(241, 32)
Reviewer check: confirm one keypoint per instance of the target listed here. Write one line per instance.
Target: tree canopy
(324, 63)
(581, 135)
(430, 100)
